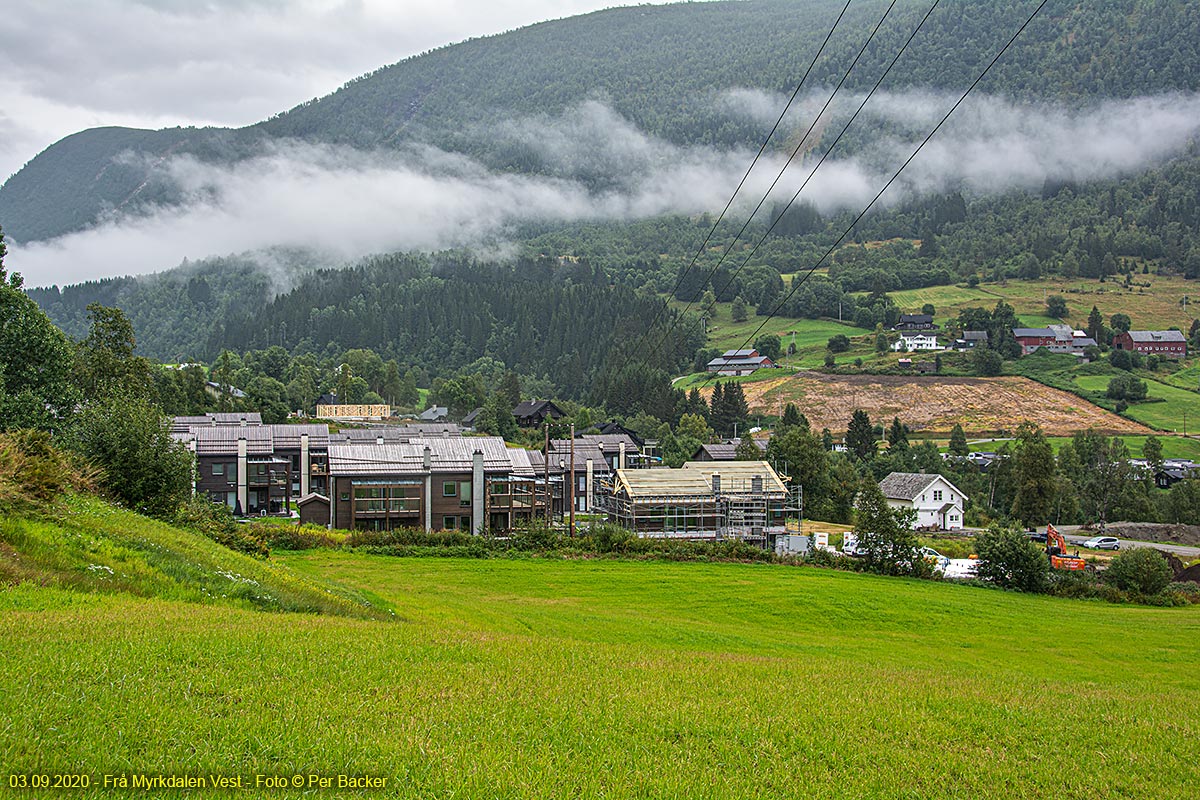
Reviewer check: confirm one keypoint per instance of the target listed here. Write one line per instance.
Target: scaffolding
(742, 507)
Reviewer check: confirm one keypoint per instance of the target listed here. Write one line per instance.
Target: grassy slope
(1156, 306)
(1168, 416)
(1173, 446)
(555, 679)
(90, 546)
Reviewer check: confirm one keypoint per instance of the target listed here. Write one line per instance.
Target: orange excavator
(1056, 548)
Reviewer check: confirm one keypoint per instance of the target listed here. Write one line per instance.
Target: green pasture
(1173, 446)
(1180, 407)
(546, 678)
(1186, 377)
(726, 334)
(1154, 307)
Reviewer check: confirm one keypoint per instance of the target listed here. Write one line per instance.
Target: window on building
(449, 489)
(218, 469)
(464, 494)
(937, 495)
(464, 523)
(448, 523)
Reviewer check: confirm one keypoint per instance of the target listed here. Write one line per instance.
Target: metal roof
(183, 423)
(560, 450)
(222, 440)
(611, 442)
(722, 361)
(407, 458)
(1150, 337)
(287, 437)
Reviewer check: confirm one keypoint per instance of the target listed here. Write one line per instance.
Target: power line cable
(832, 147)
(797, 284)
(779, 176)
(683, 273)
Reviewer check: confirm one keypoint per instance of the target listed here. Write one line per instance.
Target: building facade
(1164, 344)
(937, 503)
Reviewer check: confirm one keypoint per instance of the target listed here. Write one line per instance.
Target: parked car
(937, 559)
(1036, 535)
(1103, 543)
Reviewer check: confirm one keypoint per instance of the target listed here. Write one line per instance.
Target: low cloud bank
(592, 164)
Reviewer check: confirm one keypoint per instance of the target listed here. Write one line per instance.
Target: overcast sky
(67, 65)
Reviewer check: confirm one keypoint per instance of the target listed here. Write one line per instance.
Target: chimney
(379, 439)
(756, 484)
(426, 458)
(621, 459)
(716, 481)
(477, 492)
(305, 466)
(243, 489)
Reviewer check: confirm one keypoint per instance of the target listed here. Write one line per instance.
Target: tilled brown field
(935, 403)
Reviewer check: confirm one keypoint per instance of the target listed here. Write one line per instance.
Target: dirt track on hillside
(935, 403)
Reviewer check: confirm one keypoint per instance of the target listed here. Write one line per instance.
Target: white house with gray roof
(937, 502)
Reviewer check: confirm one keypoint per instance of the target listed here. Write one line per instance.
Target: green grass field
(1181, 407)
(1155, 307)
(546, 678)
(1173, 446)
(726, 334)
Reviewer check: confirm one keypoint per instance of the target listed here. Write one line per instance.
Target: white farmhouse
(917, 341)
(937, 502)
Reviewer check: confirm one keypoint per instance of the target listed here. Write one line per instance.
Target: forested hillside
(537, 317)
(661, 67)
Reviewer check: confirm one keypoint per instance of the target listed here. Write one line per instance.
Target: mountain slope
(662, 67)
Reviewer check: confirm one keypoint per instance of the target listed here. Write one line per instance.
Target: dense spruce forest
(661, 67)
(601, 273)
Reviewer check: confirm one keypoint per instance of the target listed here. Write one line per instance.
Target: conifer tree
(958, 441)
(860, 436)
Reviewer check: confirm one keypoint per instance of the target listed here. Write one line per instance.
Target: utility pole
(572, 528)
(549, 496)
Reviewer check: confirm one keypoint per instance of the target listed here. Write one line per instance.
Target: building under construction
(704, 500)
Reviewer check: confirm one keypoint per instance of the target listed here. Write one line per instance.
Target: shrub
(1007, 558)
(1142, 570)
(611, 538)
(34, 473)
(293, 537)
(839, 343)
(1120, 359)
(215, 521)
(414, 537)
(145, 468)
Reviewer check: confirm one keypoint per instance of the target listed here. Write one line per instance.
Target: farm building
(739, 362)
(703, 500)
(1164, 344)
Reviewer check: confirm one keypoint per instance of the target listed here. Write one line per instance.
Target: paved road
(1072, 535)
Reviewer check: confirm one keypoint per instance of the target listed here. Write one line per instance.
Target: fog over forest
(592, 164)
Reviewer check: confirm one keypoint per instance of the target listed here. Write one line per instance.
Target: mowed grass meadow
(606, 678)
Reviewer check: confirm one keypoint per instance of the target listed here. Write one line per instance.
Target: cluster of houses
(1055, 338)
(918, 333)
(437, 476)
